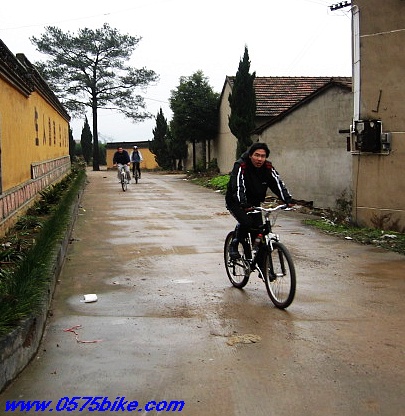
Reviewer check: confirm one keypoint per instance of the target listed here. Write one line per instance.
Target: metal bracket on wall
(378, 103)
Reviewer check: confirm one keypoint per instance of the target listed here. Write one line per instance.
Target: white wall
(224, 147)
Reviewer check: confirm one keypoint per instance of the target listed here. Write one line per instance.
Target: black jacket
(248, 185)
(121, 158)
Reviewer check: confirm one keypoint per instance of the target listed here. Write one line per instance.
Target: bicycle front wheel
(124, 183)
(279, 275)
(238, 270)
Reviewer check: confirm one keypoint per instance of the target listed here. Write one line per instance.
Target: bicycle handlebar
(268, 210)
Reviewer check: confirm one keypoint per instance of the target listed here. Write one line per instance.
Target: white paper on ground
(92, 297)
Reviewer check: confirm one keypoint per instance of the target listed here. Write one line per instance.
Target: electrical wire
(85, 17)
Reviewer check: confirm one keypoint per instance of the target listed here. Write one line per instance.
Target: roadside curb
(20, 346)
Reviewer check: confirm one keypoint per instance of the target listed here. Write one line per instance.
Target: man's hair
(256, 146)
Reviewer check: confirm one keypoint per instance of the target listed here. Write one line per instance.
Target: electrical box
(366, 136)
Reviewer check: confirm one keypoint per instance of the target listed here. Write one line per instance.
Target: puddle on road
(384, 271)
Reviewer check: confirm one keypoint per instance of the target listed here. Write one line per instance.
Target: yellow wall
(148, 157)
(34, 136)
(31, 131)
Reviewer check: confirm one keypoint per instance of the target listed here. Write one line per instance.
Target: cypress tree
(242, 101)
(86, 141)
(72, 146)
(159, 145)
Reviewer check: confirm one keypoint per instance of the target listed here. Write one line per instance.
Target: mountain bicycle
(269, 257)
(123, 177)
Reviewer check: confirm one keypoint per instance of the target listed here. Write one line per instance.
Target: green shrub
(219, 182)
(25, 284)
(28, 222)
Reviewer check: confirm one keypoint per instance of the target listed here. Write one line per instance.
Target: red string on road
(72, 329)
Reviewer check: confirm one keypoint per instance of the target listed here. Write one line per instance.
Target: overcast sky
(179, 37)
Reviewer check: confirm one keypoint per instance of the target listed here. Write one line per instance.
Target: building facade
(378, 127)
(308, 150)
(299, 118)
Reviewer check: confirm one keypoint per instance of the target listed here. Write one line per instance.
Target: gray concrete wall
(308, 151)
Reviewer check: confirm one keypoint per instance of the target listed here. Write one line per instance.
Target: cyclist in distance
(250, 178)
(121, 157)
(136, 159)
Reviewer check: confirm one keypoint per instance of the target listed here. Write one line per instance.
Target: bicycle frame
(271, 259)
(123, 177)
(268, 235)
(122, 171)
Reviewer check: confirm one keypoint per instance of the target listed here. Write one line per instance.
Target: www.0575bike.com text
(93, 404)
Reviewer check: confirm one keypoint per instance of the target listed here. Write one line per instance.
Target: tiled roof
(13, 72)
(277, 95)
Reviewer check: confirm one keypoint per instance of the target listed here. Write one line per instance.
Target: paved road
(165, 312)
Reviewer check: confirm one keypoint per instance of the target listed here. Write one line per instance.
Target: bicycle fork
(282, 271)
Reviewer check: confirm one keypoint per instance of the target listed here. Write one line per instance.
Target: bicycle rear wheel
(238, 271)
(279, 276)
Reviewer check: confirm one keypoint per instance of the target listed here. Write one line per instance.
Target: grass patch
(217, 182)
(389, 240)
(25, 279)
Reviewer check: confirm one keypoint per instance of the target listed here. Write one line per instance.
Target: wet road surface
(166, 313)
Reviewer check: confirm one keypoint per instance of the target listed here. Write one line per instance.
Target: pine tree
(242, 101)
(88, 71)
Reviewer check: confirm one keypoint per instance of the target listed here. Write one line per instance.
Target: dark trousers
(137, 166)
(246, 222)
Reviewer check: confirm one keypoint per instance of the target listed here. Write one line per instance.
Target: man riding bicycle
(251, 175)
(136, 159)
(121, 158)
